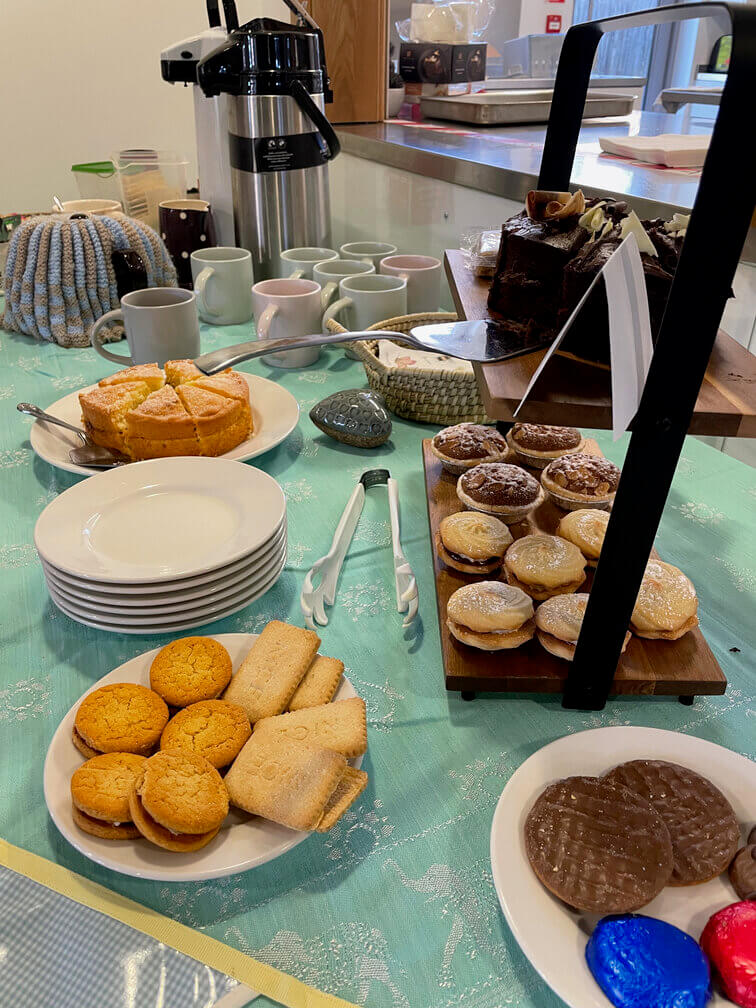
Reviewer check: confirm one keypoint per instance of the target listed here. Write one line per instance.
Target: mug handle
(298, 274)
(327, 293)
(334, 310)
(200, 284)
(112, 316)
(266, 320)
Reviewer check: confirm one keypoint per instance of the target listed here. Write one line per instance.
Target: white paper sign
(630, 344)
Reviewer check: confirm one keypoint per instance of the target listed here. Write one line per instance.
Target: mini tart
(120, 718)
(559, 621)
(585, 528)
(507, 491)
(100, 790)
(490, 615)
(581, 481)
(544, 565)
(215, 729)
(667, 604)
(190, 669)
(472, 542)
(466, 445)
(536, 445)
(179, 801)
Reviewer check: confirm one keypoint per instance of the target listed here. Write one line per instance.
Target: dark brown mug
(185, 226)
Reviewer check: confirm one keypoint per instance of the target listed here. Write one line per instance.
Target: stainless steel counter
(505, 161)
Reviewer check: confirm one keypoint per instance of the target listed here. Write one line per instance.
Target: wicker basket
(428, 396)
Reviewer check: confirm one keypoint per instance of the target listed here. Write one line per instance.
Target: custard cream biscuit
(283, 780)
(122, 717)
(276, 664)
(190, 669)
(340, 727)
(319, 684)
(348, 790)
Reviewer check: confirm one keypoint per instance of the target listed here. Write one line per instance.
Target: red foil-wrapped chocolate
(729, 940)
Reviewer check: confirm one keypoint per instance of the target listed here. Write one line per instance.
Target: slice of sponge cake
(221, 423)
(161, 426)
(179, 371)
(150, 374)
(104, 410)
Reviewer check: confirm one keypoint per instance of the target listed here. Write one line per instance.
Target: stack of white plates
(157, 547)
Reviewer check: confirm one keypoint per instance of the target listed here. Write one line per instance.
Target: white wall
(81, 80)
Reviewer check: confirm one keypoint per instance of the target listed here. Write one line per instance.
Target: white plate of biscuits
(275, 414)
(156, 773)
(551, 933)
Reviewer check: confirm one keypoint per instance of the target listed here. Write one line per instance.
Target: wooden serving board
(684, 668)
(575, 393)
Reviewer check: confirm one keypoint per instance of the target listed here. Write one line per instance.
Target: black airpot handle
(302, 97)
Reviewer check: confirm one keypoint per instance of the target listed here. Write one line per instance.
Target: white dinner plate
(275, 413)
(165, 626)
(166, 589)
(244, 842)
(149, 616)
(132, 598)
(151, 522)
(551, 935)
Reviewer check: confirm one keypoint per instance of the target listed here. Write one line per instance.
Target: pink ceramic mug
(423, 276)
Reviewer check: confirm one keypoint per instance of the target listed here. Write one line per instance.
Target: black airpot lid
(262, 57)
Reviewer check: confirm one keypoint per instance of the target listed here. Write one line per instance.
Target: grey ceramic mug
(161, 324)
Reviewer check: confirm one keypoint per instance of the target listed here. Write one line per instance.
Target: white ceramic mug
(423, 276)
(95, 206)
(297, 263)
(289, 307)
(161, 324)
(223, 284)
(368, 299)
(330, 273)
(368, 251)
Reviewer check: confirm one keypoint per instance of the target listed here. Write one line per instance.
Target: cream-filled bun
(544, 565)
(667, 604)
(559, 621)
(490, 615)
(585, 528)
(472, 542)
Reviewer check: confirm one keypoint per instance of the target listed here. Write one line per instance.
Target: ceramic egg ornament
(355, 417)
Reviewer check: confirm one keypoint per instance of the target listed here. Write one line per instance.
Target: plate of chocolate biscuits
(623, 860)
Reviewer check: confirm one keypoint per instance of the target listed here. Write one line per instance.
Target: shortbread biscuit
(340, 727)
(283, 780)
(122, 717)
(214, 729)
(349, 788)
(319, 684)
(184, 795)
(190, 669)
(667, 604)
(276, 664)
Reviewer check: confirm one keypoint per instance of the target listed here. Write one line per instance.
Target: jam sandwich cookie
(190, 669)
(585, 528)
(214, 729)
(100, 790)
(490, 615)
(472, 542)
(544, 565)
(667, 604)
(122, 717)
(559, 621)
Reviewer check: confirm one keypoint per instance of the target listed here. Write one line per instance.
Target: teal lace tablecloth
(395, 906)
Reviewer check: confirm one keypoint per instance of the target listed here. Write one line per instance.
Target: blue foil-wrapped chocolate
(642, 962)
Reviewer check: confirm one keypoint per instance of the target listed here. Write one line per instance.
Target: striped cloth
(59, 275)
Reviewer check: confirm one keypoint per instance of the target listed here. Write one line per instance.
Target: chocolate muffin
(468, 444)
(536, 445)
(581, 481)
(497, 488)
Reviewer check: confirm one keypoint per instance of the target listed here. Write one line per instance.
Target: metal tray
(495, 108)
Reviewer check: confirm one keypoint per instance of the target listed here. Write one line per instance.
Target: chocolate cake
(552, 250)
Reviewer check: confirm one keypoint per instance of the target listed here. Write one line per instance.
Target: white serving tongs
(314, 600)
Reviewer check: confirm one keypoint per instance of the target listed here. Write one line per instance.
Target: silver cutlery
(483, 341)
(89, 454)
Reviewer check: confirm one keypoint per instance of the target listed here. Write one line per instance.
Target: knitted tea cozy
(59, 275)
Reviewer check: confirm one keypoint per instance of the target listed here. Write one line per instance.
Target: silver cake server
(483, 341)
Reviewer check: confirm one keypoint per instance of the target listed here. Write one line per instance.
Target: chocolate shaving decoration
(543, 205)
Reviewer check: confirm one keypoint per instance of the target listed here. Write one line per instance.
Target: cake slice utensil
(89, 454)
